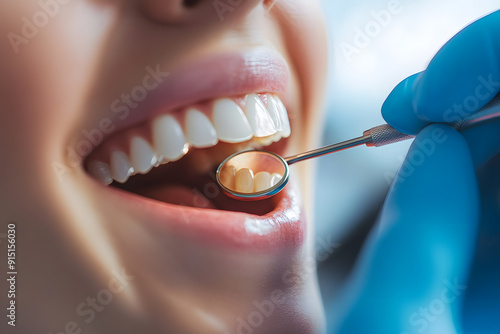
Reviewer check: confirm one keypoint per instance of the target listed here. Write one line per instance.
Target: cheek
(305, 34)
(49, 61)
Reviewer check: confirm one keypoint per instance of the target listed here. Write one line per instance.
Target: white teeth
(100, 170)
(120, 166)
(285, 122)
(244, 181)
(230, 122)
(169, 140)
(279, 115)
(262, 181)
(142, 156)
(258, 117)
(272, 106)
(199, 129)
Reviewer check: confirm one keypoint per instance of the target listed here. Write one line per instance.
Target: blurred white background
(373, 46)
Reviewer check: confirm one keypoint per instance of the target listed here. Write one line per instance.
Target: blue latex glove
(419, 271)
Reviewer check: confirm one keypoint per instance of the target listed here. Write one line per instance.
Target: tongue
(180, 195)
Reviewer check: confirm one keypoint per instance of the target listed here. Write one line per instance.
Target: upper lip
(259, 70)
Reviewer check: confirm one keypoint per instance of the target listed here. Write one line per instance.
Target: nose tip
(180, 11)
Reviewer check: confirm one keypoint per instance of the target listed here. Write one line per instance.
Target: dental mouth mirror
(256, 175)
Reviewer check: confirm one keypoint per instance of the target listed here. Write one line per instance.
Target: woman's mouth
(163, 165)
(173, 157)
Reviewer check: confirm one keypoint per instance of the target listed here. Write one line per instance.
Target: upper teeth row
(229, 123)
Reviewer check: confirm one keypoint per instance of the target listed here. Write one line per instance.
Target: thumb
(398, 109)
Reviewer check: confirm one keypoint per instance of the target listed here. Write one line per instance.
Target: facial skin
(78, 244)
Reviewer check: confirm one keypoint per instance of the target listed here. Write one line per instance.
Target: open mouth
(160, 162)
(173, 157)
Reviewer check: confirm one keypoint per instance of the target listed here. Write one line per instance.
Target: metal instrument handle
(385, 134)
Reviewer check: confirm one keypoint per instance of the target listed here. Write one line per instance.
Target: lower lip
(282, 228)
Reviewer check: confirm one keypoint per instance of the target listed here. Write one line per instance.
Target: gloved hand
(424, 269)
(461, 78)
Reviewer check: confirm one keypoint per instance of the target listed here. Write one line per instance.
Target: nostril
(190, 3)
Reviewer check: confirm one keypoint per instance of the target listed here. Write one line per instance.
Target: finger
(422, 245)
(397, 109)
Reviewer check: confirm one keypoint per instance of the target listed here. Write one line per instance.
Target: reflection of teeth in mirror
(275, 178)
(262, 181)
(244, 181)
(227, 175)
